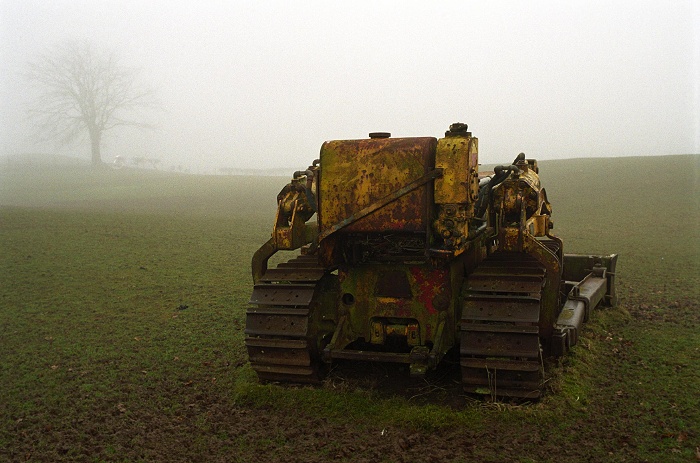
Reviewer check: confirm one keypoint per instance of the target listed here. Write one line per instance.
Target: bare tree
(85, 92)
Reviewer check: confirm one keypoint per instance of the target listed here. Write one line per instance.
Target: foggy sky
(263, 84)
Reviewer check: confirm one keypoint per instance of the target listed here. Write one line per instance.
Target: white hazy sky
(249, 84)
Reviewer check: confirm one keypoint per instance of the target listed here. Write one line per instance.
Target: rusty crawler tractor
(413, 253)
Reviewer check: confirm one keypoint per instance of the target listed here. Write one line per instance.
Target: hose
(501, 173)
(310, 197)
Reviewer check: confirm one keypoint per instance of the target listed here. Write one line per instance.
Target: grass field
(122, 306)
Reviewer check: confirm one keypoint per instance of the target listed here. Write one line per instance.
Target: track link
(279, 335)
(499, 334)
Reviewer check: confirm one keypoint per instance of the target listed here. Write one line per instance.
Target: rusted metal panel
(358, 173)
(458, 158)
(384, 300)
(381, 203)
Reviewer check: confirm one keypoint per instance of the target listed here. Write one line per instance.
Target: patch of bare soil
(683, 311)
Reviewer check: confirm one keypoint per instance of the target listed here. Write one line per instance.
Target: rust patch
(430, 284)
(358, 173)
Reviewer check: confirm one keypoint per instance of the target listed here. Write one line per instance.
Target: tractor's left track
(280, 338)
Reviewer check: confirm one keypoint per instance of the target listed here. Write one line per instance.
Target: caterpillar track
(280, 339)
(500, 344)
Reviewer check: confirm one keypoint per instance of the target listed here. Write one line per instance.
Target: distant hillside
(45, 159)
(274, 172)
(30, 159)
(562, 166)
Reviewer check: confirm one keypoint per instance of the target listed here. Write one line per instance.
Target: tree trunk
(95, 141)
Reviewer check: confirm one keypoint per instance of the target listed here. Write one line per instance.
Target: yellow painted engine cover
(357, 173)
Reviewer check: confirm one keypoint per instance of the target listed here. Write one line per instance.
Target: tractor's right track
(500, 346)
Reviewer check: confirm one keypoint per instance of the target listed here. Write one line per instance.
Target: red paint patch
(430, 283)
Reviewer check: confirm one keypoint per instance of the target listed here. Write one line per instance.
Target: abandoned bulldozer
(414, 253)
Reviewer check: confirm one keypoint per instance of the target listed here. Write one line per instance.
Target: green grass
(101, 361)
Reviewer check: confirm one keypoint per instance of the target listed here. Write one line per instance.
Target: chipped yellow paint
(357, 173)
(457, 156)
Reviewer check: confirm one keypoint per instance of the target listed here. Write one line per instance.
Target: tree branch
(83, 92)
